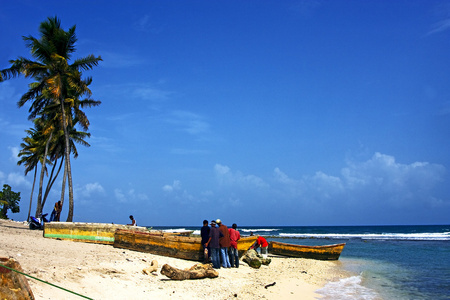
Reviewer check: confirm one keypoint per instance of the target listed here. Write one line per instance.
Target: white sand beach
(104, 272)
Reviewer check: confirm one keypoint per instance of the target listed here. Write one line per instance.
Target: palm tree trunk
(67, 154)
(32, 191)
(52, 180)
(41, 180)
(63, 188)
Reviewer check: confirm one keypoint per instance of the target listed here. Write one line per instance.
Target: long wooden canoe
(98, 233)
(183, 247)
(327, 252)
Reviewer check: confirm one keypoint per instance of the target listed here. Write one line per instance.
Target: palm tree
(57, 81)
(30, 155)
(57, 152)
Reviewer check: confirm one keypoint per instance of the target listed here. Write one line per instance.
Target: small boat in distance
(327, 252)
(184, 247)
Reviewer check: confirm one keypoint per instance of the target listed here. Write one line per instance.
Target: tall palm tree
(30, 155)
(57, 81)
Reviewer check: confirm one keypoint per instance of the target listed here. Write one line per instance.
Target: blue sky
(255, 112)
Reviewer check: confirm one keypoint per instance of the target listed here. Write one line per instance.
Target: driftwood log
(197, 271)
(13, 285)
(254, 260)
(153, 268)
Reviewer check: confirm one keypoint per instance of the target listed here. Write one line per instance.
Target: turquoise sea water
(388, 262)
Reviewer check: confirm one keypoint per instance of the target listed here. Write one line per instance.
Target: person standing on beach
(204, 233)
(56, 212)
(225, 243)
(214, 245)
(133, 221)
(235, 236)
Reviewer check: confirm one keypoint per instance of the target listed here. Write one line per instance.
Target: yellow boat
(184, 247)
(99, 233)
(327, 252)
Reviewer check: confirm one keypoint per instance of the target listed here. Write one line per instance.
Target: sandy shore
(104, 272)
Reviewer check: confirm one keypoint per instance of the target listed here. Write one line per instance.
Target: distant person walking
(225, 243)
(204, 233)
(214, 245)
(133, 221)
(235, 236)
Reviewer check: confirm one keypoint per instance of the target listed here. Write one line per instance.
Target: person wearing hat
(214, 245)
(225, 243)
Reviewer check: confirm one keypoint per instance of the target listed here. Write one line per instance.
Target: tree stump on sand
(13, 285)
(254, 260)
(197, 271)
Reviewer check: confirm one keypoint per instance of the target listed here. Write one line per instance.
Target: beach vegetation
(9, 200)
(56, 96)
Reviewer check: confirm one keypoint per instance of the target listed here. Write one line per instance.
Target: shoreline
(104, 272)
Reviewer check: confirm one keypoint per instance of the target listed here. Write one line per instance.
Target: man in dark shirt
(204, 232)
(214, 246)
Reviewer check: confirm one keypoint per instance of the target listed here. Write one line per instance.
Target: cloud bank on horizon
(292, 113)
(376, 191)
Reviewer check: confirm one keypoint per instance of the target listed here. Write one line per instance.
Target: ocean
(388, 262)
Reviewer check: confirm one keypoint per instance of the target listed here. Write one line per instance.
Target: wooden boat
(328, 252)
(184, 247)
(98, 233)
(183, 233)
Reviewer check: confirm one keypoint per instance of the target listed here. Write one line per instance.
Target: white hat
(218, 221)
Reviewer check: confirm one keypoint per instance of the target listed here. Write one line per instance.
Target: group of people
(220, 244)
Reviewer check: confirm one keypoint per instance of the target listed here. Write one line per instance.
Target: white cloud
(174, 187)
(91, 189)
(130, 196)
(142, 92)
(119, 60)
(237, 179)
(379, 181)
(120, 195)
(149, 93)
(384, 172)
(179, 195)
(15, 180)
(14, 152)
(144, 24)
(440, 27)
(190, 122)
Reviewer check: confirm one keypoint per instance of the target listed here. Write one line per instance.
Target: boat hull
(327, 252)
(98, 233)
(183, 247)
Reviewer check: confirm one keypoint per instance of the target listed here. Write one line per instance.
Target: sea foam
(445, 236)
(347, 288)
